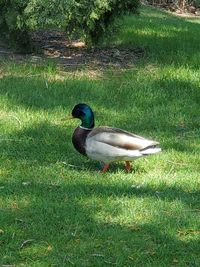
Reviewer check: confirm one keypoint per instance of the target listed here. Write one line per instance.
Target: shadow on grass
(45, 143)
(65, 225)
(41, 145)
(164, 109)
(167, 38)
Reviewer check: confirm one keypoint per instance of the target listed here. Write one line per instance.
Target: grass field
(55, 208)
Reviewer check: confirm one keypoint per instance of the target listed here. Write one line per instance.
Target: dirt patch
(55, 46)
(188, 11)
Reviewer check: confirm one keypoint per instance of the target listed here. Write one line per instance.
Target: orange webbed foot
(105, 168)
(128, 166)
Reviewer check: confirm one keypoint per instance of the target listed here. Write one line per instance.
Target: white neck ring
(89, 129)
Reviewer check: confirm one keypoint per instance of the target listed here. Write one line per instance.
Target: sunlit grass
(55, 208)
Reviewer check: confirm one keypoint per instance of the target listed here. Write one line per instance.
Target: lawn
(56, 209)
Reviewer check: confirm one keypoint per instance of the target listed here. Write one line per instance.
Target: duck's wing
(119, 138)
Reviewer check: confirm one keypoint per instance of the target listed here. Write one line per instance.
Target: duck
(108, 144)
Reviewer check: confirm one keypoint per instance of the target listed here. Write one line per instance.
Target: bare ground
(55, 46)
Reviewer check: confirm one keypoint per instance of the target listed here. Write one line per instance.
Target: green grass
(71, 214)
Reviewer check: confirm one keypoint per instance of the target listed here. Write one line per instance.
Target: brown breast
(78, 139)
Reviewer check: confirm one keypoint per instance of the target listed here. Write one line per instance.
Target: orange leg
(128, 166)
(105, 168)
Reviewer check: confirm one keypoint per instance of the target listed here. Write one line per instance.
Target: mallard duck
(108, 144)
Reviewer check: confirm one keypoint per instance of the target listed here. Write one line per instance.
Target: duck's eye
(79, 113)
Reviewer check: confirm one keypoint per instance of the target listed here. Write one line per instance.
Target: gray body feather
(109, 144)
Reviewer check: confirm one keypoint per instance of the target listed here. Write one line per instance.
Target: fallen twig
(67, 259)
(26, 242)
(7, 265)
(73, 166)
(97, 255)
(110, 262)
(176, 163)
(9, 139)
(15, 117)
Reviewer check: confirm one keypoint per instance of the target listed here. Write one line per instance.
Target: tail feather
(151, 150)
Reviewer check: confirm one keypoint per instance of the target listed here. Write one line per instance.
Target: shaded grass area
(169, 39)
(56, 209)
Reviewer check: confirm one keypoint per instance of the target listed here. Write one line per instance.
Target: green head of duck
(85, 114)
